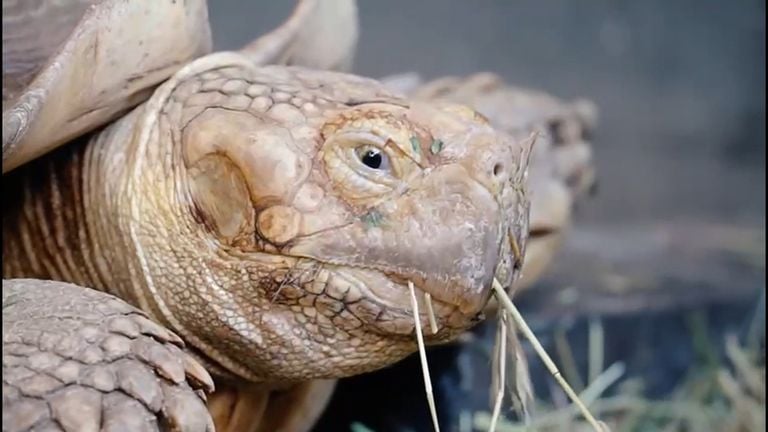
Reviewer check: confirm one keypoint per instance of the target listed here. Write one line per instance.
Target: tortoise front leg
(258, 408)
(77, 359)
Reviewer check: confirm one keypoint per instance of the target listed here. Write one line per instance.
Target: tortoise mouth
(467, 304)
(384, 303)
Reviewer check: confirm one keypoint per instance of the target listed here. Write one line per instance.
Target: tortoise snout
(500, 173)
(491, 164)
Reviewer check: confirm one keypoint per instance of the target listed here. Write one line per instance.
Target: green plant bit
(601, 383)
(373, 218)
(359, 427)
(596, 345)
(437, 146)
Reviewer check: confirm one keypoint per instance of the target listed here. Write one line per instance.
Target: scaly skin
(234, 208)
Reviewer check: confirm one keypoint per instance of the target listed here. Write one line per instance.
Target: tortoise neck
(53, 225)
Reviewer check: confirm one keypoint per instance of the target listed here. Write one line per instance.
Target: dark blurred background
(675, 239)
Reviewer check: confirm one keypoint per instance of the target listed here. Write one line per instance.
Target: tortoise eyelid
(391, 144)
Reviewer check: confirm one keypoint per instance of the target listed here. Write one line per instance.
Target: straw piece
(502, 359)
(515, 249)
(423, 358)
(430, 313)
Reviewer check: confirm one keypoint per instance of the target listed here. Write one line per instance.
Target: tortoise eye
(373, 158)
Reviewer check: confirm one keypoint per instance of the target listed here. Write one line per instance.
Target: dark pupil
(372, 159)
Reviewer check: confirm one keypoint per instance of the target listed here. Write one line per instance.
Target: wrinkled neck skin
(273, 217)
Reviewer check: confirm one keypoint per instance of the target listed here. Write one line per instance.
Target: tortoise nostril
(498, 169)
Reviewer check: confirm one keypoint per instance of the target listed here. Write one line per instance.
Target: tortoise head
(562, 168)
(302, 205)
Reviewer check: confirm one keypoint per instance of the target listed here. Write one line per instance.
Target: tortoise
(177, 218)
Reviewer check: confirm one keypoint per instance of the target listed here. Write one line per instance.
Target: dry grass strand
(423, 357)
(430, 313)
(499, 379)
(519, 321)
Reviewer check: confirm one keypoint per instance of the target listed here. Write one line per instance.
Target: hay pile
(716, 396)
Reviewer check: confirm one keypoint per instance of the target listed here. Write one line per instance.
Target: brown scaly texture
(234, 208)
